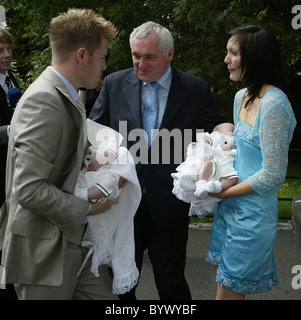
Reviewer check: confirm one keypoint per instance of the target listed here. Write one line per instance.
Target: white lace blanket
(111, 234)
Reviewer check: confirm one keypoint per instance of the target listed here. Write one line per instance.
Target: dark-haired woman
(245, 224)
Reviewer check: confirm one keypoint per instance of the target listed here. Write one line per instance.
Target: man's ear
(170, 54)
(81, 55)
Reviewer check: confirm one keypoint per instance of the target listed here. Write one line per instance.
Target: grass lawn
(290, 188)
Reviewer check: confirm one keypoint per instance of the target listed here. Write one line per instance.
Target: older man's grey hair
(166, 39)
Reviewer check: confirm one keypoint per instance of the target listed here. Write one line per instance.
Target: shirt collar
(69, 86)
(164, 81)
(3, 77)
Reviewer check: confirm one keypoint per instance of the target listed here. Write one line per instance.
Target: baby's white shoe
(201, 189)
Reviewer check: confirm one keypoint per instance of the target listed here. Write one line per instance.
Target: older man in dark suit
(183, 105)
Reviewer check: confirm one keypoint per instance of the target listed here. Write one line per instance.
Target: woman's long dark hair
(261, 60)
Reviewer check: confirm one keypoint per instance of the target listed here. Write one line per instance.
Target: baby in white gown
(208, 168)
(110, 235)
(94, 182)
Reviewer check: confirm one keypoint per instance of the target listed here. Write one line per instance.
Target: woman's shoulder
(276, 105)
(238, 103)
(275, 99)
(240, 94)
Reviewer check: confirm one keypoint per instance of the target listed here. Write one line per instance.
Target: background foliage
(198, 26)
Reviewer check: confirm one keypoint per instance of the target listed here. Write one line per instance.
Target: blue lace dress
(245, 227)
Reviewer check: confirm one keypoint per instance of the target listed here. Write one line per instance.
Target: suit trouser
(167, 252)
(7, 293)
(83, 287)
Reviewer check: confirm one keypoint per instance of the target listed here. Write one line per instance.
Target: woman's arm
(240, 189)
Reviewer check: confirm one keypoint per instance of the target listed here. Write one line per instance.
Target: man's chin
(145, 76)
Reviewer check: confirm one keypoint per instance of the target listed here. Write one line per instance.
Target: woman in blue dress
(245, 224)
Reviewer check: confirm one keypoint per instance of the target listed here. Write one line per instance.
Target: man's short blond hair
(78, 28)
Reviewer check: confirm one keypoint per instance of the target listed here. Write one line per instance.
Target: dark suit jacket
(5, 118)
(189, 106)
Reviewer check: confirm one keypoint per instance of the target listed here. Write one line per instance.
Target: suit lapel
(132, 91)
(13, 79)
(175, 100)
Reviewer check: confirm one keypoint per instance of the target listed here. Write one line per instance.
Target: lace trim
(246, 287)
(214, 257)
(244, 132)
(124, 284)
(237, 285)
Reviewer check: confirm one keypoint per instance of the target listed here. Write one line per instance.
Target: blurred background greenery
(199, 28)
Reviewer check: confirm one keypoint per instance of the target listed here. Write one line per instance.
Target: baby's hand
(108, 158)
(94, 166)
(228, 146)
(100, 161)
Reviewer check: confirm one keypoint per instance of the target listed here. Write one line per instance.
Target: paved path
(201, 275)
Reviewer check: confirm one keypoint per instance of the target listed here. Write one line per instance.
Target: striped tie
(150, 112)
(8, 82)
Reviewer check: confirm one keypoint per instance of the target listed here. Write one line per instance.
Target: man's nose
(142, 63)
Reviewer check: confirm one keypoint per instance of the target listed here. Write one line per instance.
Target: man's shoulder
(122, 78)
(188, 76)
(13, 78)
(122, 73)
(188, 79)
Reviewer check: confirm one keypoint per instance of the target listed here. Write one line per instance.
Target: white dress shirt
(2, 81)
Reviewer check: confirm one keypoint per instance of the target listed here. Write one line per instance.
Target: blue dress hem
(237, 285)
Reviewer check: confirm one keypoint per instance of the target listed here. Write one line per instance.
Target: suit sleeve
(210, 116)
(36, 143)
(100, 110)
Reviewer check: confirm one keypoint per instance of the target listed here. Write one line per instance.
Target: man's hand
(99, 207)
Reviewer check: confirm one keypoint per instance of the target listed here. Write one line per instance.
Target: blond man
(44, 221)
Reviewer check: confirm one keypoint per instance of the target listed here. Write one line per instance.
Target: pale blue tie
(150, 112)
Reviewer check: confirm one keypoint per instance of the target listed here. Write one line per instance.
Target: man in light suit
(161, 222)
(43, 221)
(6, 42)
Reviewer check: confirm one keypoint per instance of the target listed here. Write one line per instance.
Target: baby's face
(227, 129)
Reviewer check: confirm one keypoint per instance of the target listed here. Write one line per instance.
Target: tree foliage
(199, 28)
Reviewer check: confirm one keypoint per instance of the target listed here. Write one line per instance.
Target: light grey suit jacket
(45, 154)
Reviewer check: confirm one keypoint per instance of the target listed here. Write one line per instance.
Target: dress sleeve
(274, 136)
